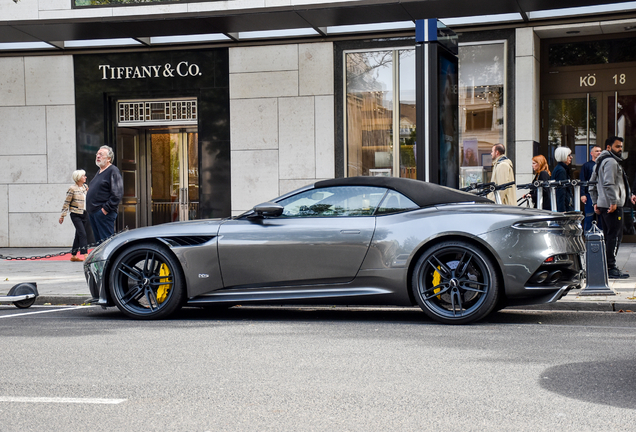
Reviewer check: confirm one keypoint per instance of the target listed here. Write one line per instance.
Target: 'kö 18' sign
(590, 80)
(606, 78)
(182, 69)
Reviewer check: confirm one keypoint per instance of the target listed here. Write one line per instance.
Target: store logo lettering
(587, 81)
(183, 69)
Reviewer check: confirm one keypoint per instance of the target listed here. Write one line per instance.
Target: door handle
(183, 192)
(350, 232)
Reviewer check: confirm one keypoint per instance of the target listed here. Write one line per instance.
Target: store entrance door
(173, 177)
(580, 121)
(621, 121)
(572, 121)
(160, 169)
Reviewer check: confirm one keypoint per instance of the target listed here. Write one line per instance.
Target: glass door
(621, 121)
(570, 121)
(128, 162)
(173, 176)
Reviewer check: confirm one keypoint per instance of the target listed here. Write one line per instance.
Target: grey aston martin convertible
(361, 240)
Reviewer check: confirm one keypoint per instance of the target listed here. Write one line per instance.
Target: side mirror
(268, 209)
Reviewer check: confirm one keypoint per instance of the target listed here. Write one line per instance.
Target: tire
(24, 304)
(24, 289)
(454, 282)
(146, 282)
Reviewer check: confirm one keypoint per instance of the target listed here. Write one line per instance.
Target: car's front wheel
(454, 282)
(147, 282)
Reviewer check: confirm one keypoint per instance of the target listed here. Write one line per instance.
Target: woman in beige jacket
(75, 203)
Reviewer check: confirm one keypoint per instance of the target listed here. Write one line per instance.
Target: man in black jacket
(104, 194)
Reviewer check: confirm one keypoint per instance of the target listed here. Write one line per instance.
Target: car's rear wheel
(147, 282)
(454, 282)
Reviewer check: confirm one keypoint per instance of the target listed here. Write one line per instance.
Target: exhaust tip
(540, 277)
(555, 276)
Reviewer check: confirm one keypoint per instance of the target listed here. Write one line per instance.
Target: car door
(322, 237)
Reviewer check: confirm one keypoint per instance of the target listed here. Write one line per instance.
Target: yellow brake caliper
(162, 291)
(437, 278)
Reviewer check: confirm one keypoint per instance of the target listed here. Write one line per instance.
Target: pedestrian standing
(502, 173)
(105, 193)
(586, 173)
(541, 173)
(75, 203)
(561, 172)
(609, 196)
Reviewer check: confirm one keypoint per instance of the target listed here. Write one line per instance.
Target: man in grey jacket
(609, 196)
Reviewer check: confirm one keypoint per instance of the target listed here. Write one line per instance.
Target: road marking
(61, 400)
(40, 312)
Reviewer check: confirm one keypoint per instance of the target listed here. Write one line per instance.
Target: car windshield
(334, 202)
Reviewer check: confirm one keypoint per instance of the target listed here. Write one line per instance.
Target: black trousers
(80, 243)
(613, 232)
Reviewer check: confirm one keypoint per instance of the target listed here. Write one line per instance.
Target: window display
(379, 142)
(481, 103)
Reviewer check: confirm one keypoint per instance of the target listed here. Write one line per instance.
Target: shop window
(380, 113)
(481, 107)
(380, 110)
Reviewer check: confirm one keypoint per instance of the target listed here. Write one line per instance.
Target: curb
(588, 306)
(62, 300)
(580, 306)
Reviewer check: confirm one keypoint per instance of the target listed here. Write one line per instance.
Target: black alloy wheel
(147, 282)
(454, 282)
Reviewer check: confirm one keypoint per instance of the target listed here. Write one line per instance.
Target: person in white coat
(502, 173)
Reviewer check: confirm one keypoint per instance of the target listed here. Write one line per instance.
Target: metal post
(493, 188)
(577, 194)
(539, 185)
(553, 201)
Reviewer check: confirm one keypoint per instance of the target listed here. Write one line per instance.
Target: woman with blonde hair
(561, 172)
(75, 203)
(541, 173)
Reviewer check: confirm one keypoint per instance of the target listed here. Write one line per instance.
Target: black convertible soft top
(421, 193)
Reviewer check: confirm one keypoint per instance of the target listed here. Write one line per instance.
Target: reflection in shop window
(379, 142)
(481, 108)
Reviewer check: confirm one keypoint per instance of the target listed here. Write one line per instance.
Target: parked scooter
(22, 295)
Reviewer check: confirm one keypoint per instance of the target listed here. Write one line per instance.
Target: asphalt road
(341, 369)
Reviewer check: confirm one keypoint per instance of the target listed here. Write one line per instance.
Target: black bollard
(595, 264)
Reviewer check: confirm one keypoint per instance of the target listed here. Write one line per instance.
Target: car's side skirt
(285, 294)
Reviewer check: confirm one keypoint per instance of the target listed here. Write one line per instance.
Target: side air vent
(187, 240)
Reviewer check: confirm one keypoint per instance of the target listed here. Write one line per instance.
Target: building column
(527, 101)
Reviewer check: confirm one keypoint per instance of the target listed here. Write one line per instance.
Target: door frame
(143, 178)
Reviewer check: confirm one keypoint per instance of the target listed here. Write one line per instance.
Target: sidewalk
(60, 281)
